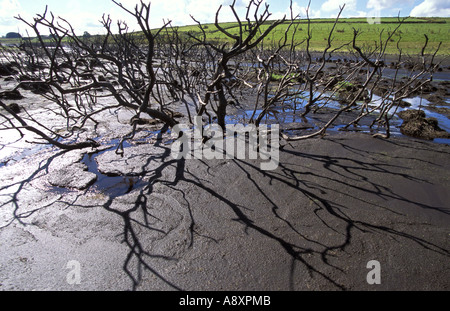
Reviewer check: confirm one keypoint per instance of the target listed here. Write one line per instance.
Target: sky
(85, 15)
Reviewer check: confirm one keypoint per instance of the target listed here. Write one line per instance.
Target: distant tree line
(13, 35)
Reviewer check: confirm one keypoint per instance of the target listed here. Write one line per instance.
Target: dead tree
(74, 70)
(281, 65)
(150, 72)
(221, 59)
(322, 89)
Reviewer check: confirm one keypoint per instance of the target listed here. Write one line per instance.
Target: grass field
(411, 33)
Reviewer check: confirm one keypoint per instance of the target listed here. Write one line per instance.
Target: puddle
(112, 186)
(286, 116)
(442, 141)
(290, 112)
(390, 73)
(281, 117)
(15, 151)
(118, 185)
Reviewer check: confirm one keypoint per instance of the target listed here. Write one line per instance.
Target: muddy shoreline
(144, 221)
(333, 205)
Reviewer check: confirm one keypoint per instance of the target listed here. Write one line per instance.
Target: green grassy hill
(411, 32)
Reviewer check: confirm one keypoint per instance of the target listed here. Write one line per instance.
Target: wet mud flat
(145, 221)
(314, 223)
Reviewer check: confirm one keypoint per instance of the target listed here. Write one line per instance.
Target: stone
(403, 104)
(7, 69)
(11, 95)
(417, 125)
(14, 108)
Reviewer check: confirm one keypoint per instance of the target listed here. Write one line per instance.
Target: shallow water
(14, 152)
(292, 115)
(112, 186)
(115, 186)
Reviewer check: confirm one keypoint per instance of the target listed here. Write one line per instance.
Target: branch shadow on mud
(17, 214)
(336, 177)
(163, 213)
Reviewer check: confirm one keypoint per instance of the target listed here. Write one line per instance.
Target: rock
(428, 88)
(25, 78)
(37, 87)
(331, 83)
(37, 66)
(66, 65)
(14, 107)
(394, 65)
(441, 110)
(409, 66)
(417, 125)
(34, 85)
(176, 114)
(347, 93)
(436, 99)
(11, 95)
(101, 78)
(403, 104)
(87, 75)
(445, 84)
(294, 126)
(381, 91)
(195, 73)
(145, 121)
(74, 176)
(7, 69)
(95, 63)
(408, 115)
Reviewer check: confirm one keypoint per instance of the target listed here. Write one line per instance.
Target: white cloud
(8, 9)
(432, 8)
(387, 4)
(179, 11)
(330, 9)
(205, 10)
(379, 4)
(161, 11)
(334, 5)
(301, 10)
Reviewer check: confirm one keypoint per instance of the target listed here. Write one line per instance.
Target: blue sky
(85, 14)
